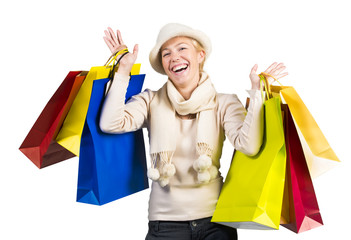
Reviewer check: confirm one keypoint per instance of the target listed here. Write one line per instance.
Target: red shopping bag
(300, 210)
(40, 145)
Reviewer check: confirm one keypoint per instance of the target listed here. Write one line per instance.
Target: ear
(201, 56)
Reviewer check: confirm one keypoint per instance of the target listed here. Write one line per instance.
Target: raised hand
(274, 70)
(115, 43)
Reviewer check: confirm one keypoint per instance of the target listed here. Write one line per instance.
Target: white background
(41, 41)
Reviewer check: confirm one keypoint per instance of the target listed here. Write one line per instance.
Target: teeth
(179, 67)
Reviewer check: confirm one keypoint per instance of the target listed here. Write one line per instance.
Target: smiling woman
(185, 153)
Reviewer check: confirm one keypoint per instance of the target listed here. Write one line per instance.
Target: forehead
(176, 41)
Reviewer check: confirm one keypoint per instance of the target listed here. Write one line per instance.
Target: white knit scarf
(164, 106)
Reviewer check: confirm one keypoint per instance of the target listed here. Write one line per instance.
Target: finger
(113, 44)
(113, 35)
(272, 66)
(109, 44)
(254, 69)
(119, 37)
(109, 38)
(136, 50)
(282, 75)
(108, 35)
(278, 70)
(110, 32)
(279, 66)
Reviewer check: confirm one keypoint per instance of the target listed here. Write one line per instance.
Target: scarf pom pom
(202, 163)
(168, 170)
(213, 170)
(153, 174)
(204, 177)
(164, 181)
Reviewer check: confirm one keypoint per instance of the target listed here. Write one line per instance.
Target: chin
(181, 79)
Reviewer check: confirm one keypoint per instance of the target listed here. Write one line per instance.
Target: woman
(187, 122)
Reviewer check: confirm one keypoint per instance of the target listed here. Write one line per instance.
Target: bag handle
(275, 79)
(264, 86)
(122, 53)
(117, 62)
(263, 81)
(112, 59)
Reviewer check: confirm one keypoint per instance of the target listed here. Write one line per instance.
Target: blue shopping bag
(111, 166)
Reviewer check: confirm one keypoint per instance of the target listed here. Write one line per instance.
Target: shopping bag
(71, 131)
(300, 211)
(319, 155)
(40, 145)
(111, 166)
(252, 193)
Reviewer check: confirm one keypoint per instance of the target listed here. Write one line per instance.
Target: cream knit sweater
(184, 199)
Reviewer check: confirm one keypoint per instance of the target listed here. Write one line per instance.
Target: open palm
(274, 70)
(115, 43)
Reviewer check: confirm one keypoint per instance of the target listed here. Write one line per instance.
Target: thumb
(254, 69)
(136, 50)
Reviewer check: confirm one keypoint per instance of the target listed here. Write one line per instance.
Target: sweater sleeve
(244, 129)
(118, 116)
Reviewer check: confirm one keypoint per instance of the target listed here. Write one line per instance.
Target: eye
(182, 48)
(165, 54)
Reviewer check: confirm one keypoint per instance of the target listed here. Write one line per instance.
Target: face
(181, 61)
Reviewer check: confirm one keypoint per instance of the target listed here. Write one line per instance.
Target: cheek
(164, 64)
(193, 57)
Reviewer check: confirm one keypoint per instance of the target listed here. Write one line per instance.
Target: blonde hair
(199, 48)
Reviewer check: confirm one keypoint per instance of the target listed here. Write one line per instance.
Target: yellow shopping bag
(252, 193)
(72, 128)
(319, 155)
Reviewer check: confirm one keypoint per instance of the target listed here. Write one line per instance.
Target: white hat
(172, 30)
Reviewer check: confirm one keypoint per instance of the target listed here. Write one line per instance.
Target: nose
(174, 57)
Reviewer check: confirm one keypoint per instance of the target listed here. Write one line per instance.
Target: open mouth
(180, 68)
